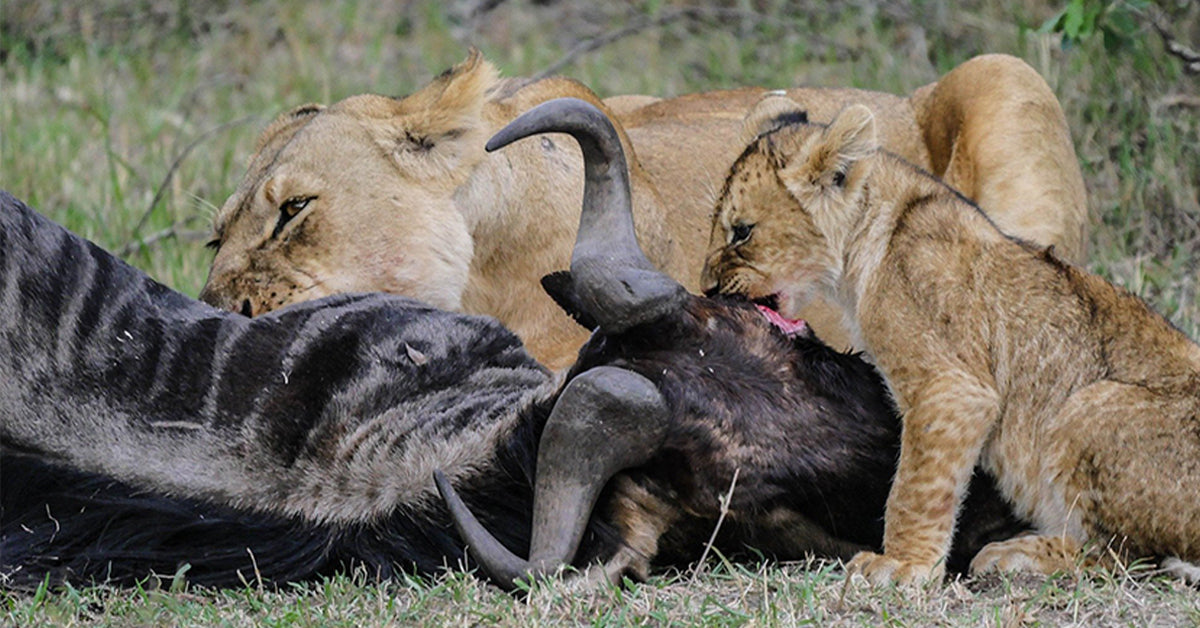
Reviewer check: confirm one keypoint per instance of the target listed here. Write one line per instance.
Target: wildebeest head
(642, 382)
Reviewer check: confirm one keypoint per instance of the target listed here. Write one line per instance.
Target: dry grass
(130, 121)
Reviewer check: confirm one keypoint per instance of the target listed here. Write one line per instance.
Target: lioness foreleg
(943, 433)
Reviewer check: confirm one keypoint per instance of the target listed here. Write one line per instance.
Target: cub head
(355, 196)
(789, 203)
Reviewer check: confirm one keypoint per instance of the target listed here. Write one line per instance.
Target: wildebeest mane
(143, 430)
(84, 527)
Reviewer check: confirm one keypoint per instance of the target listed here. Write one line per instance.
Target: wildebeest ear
(560, 286)
(773, 111)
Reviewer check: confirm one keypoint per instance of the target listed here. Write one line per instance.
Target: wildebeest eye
(839, 178)
(741, 233)
(289, 209)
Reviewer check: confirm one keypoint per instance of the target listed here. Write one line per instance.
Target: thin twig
(667, 17)
(1178, 100)
(605, 39)
(717, 528)
(1190, 58)
(178, 161)
(174, 231)
(257, 574)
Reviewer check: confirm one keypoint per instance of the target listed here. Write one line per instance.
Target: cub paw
(1030, 553)
(880, 569)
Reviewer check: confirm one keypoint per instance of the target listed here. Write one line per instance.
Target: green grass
(811, 593)
(131, 121)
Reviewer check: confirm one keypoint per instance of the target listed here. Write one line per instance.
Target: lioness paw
(1030, 553)
(880, 569)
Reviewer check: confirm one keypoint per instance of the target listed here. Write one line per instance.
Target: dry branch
(1190, 58)
(160, 191)
(695, 14)
(175, 231)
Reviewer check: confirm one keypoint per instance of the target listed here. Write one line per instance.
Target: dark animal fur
(107, 435)
(78, 431)
(812, 432)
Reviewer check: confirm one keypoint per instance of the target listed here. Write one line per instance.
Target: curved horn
(606, 420)
(615, 282)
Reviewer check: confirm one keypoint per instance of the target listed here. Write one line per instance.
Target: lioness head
(789, 203)
(314, 214)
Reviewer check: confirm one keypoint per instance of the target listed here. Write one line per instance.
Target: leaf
(1054, 24)
(1120, 22)
(1073, 19)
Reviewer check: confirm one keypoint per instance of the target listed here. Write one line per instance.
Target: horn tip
(497, 141)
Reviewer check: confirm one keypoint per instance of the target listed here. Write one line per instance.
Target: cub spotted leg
(944, 430)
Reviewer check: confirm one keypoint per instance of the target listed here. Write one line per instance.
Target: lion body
(404, 198)
(1082, 401)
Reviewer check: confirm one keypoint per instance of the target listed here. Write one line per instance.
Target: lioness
(1082, 401)
(398, 195)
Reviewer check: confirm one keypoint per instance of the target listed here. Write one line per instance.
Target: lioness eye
(741, 232)
(288, 210)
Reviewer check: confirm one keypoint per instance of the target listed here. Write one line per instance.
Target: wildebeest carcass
(143, 430)
(683, 394)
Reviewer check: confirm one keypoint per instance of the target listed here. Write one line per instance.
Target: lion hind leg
(1032, 553)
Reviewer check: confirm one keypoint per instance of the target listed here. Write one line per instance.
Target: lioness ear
(287, 121)
(773, 110)
(454, 99)
(437, 126)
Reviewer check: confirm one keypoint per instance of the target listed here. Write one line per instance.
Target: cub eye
(839, 178)
(741, 233)
(289, 209)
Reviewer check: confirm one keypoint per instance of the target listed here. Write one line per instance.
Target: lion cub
(1083, 402)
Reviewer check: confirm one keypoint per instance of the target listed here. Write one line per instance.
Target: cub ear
(773, 111)
(560, 286)
(849, 138)
(853, 133)
(834, 159)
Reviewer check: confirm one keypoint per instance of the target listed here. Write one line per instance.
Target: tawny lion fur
(1082, 401)
(398, 195)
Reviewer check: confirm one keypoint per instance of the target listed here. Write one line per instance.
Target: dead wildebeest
(143, 431)
(680, 394)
